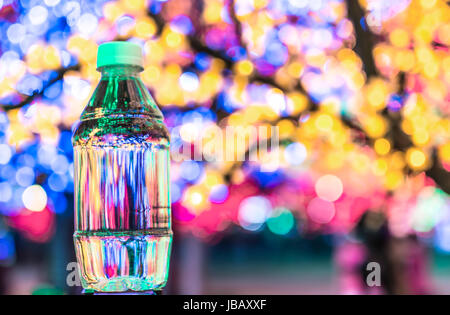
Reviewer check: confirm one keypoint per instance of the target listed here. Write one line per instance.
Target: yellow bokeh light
(252, 114)
(151, 75)
(380, 167)
(444, 34)
(375, 126)
(34, 58)
(112, 11)
(346, 53)
(295, 69)
(154, 52)
(393, 180)
(359, 79)
(259, 4)
(334, 160)
(444, 152)
(145, 28)
(360, 162)
(75, 43)
(420, 137)
(324, 122)
(424, 54)
(237, 177)
(195, 199)
(213, 12)
(382, 146)
(51, 58)
(376, 94)
(213, 178)
(17, 135)
(89, 52)
(423, 35)
(416, 158)
(244, 67)
(85, 49)
(397, 160)
(315, 58)
(286, 128)
(134, 5)
(428, 4)
(405, 60)
(296, 103)
(331, 105)
(173, 39)
(89, 72)
(173, 70)
(431, 69)
(399, 38)
(407, 126)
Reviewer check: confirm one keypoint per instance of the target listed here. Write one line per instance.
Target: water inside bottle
(123, 237)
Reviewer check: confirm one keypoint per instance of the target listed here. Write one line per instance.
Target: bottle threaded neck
(120, 70)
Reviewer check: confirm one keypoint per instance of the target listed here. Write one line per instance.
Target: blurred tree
(360, 92)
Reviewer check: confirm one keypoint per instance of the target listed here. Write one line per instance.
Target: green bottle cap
(119, 53)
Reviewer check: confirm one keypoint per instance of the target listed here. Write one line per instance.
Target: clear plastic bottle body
(121, 173)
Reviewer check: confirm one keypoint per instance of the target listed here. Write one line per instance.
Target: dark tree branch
(27, 100)
(237, 24)
(438, 173)
(364, 37)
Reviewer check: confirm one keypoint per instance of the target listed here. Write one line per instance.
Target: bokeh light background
(360, 91)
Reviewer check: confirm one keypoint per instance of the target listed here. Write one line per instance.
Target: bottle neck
(120, 71)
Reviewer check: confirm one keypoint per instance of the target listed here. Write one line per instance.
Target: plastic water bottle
(123, 230)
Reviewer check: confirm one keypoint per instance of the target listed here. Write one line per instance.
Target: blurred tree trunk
(187, 269)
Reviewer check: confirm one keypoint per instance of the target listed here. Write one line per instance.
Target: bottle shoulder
(114, 130)
(121, 96)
